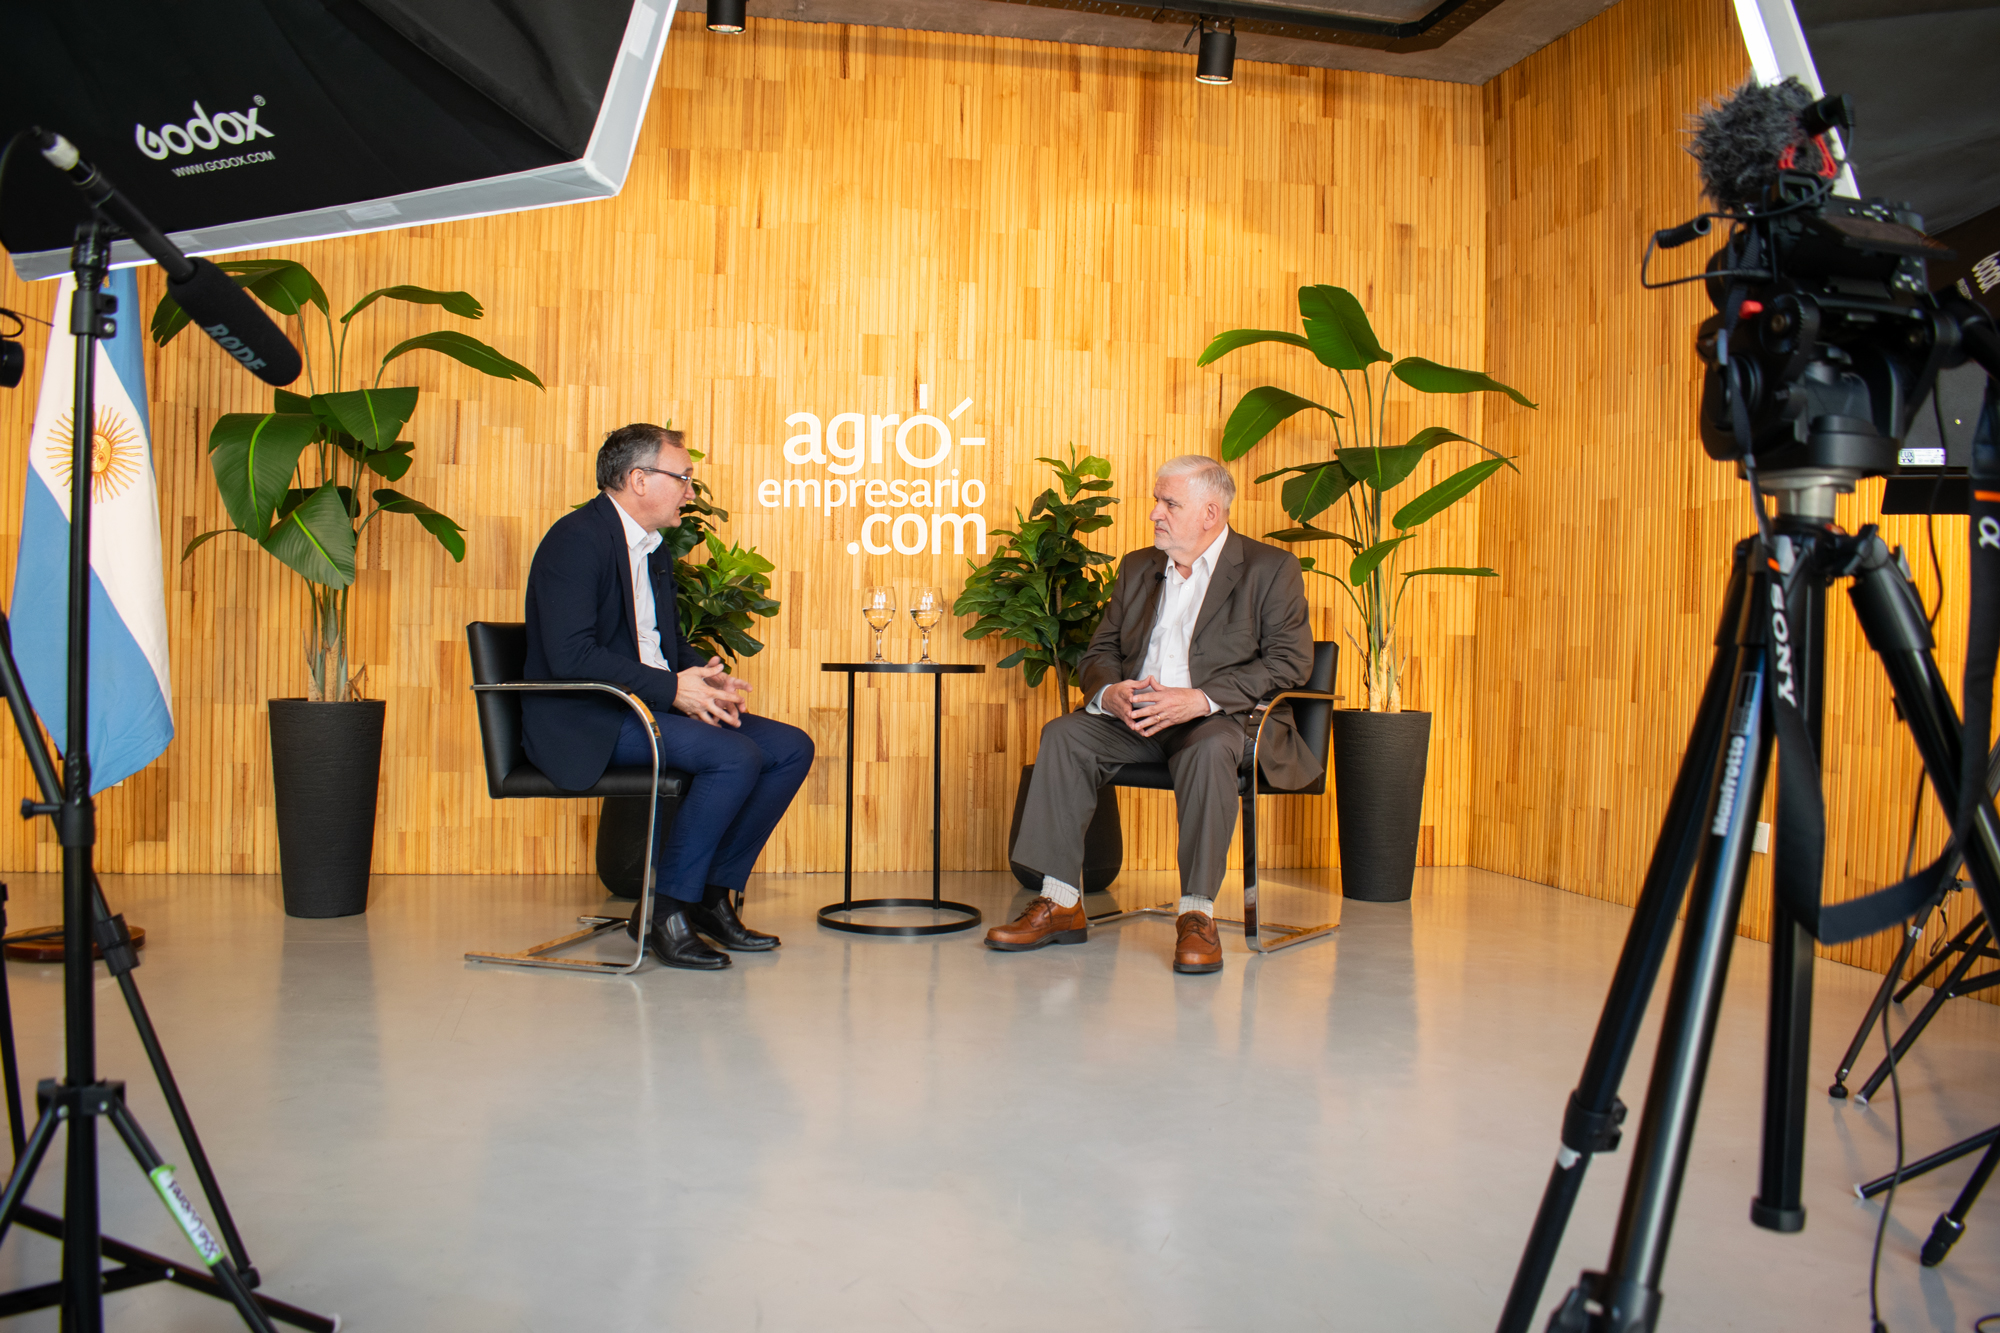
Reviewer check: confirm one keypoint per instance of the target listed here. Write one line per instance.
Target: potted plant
(714, 601)
(293, 481)
(1380, 751)
(1045, 589)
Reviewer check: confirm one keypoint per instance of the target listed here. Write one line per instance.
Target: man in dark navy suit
(601, 607)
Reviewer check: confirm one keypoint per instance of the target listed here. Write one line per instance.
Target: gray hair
(1208, 478)
(636, 445)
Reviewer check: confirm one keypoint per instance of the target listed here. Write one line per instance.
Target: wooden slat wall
(1592, 649)
(822, 218)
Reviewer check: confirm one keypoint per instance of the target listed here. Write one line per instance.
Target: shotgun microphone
(212, 300)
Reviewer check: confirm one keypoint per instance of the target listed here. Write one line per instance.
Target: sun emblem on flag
(114, 453)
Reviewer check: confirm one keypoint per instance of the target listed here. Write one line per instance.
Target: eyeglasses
(684, 478)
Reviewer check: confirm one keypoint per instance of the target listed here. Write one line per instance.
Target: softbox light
(249, 123)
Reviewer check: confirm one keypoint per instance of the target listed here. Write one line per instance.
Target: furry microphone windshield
(1743, 141)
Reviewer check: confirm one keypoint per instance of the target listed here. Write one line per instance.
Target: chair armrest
(1253, 742)
(632, 701)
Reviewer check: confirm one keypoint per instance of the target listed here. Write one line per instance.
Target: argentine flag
(131, 715)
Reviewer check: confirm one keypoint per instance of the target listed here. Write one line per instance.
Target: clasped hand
(708, 693)
(1149, 707)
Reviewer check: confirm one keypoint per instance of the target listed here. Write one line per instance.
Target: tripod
(80, 1097)
(1973, 942)
(1769, 656)
(1951, 1223)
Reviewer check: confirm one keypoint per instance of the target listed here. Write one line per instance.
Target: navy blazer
(581, 626)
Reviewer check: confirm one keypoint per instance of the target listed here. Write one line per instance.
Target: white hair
(1209, 478)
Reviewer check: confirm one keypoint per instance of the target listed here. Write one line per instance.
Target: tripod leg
(25, 1167)
(10, 1065)
(1951, 1224)
(1892, 619)
(184, 1214)
(1964, 1147)
(170, 1089)
(1788, 1040)
(1594, 1113)
(1908, 1037)
(1911, 934)
(1956, 945)
(1626, 1296)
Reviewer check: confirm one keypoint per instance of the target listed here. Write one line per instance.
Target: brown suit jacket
(1251, 639)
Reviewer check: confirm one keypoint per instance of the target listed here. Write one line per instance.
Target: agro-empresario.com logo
(202, 132)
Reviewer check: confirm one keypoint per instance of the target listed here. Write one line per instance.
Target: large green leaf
(282, 284)
(471, 351)
(1446, 493)
(390, 463)
(254, 457)
(1258, 414)
(449, 535)
(458, 303)
(284, 400)
(317, 539)
(1337, 330)
(1287, 471)
(1365, 563)
(1225, 343)
(1382, 469)
(203, 540)
(1471, 571)
(1430, 377)
(1309, 533)
(1314, 489)
(372, 416)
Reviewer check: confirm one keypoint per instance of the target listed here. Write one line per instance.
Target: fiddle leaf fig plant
(1043, 587)
(1354, 482)
(714, 601)
(293, 480)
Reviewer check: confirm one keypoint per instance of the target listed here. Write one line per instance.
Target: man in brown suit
(1201, 627)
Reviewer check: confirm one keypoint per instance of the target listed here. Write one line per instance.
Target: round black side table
(830, 915)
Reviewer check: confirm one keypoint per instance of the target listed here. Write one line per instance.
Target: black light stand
(1770, 642)
(80, 1097)
(1972, 942)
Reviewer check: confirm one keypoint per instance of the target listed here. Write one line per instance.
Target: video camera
(1826, 340)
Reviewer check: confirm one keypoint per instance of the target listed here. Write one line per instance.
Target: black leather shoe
(718, 921)
(672, 940)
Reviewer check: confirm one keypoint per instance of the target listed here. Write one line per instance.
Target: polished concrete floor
(882, 1134)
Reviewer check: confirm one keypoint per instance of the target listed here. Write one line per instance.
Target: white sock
(1059, 893)
(1191, 903)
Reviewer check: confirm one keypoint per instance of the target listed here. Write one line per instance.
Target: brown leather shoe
(1199, 946)
(1043, 923)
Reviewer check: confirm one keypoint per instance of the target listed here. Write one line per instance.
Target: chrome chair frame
(1253, 928)
(536, 955)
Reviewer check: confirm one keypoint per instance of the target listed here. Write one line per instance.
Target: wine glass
(927, 608)
(878, 608)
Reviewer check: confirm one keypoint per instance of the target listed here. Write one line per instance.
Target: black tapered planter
(1378, 778)
(326, 765)
(621, 844)
(1103, 841)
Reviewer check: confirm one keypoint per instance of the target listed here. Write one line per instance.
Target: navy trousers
(744, 779)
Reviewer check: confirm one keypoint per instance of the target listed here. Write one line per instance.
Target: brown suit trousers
(1251, 639)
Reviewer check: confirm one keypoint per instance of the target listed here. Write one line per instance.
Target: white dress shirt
(1166, 657)
(641, 543)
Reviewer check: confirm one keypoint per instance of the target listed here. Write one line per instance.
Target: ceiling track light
(725, 16)
(1216, 61)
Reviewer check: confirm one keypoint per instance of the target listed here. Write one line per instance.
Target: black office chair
(499, 655)
(1312, 714)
